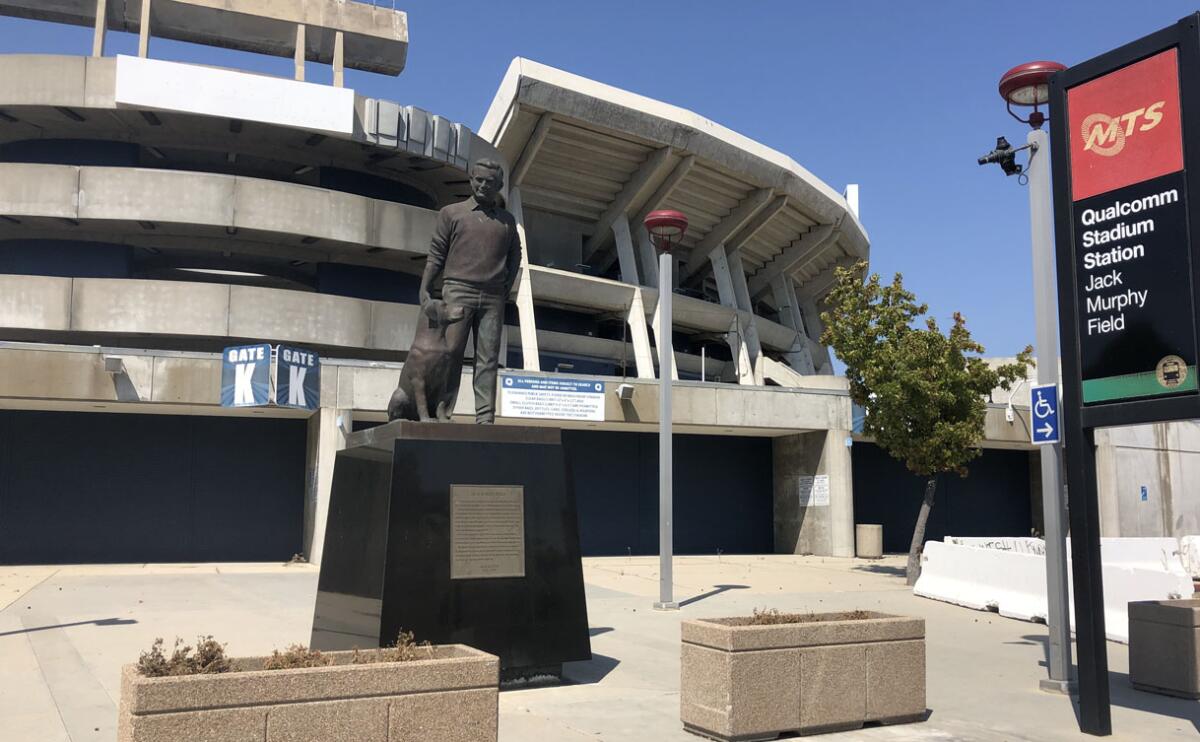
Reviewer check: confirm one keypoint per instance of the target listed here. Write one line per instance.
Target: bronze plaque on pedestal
(487, 531)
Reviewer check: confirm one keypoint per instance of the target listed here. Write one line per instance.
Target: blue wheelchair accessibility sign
(1043, 403)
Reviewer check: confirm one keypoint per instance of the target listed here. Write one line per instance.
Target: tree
(923, 391)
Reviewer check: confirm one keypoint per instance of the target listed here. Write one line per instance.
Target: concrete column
(300, 51)
(144, 30)
(529, 344)
(647, 255)
(625, 255)
(325, 439)
(824, 530)
(339, 59)
(638, 335)
(812, 318)
(656, 327)
(101, 29)
(799, 356)
(741, 292)
(851, 196)
(743, 338)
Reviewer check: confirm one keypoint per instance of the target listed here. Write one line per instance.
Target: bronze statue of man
(476, 250)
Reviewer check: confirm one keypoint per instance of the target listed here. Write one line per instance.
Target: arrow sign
(1043, 403)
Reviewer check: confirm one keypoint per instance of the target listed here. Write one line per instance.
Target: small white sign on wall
(814, 491)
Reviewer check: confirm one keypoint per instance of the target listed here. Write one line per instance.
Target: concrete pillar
(325, 439)
(812, 318)
(144, 30)
(818, 528)
(300, 51)
(101, 29)
(851, 196)
(530, 360)
(625, 255)
(656, 327)
(799, 356)
(743, 336)
(646, 254)
(339, 59)
(638, 335)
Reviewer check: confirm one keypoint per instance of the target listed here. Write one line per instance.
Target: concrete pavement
(65, 632)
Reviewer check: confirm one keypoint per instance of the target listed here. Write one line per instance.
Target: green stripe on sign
(1144, 384)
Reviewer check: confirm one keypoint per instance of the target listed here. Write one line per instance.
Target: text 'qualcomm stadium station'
(154, 213)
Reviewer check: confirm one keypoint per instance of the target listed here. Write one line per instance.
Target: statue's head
(487, 178)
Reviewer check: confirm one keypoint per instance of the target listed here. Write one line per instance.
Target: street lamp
(666, 228)
(1028, 86)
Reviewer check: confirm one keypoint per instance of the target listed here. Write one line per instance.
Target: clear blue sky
(897, 97)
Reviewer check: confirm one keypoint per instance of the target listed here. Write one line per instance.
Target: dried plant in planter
(772, 616)
(209, 657)
(405, 649)
(297, 655)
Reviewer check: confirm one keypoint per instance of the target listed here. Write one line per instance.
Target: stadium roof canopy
(595, 153)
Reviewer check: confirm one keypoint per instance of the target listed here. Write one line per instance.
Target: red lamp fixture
(1029, 85)
(666, 228)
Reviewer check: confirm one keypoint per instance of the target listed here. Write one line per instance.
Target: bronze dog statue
(432, 371)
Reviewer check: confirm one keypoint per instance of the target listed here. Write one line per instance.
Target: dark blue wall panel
(723, 493)
(64, 258)
(362, 282)
(71, 152)
(99, 487)
(994, 500)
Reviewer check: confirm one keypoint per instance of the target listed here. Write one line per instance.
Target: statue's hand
(424, 298)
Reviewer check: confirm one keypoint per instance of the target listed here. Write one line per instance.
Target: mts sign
(1126, 127)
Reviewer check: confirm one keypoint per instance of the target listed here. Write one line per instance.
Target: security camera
(625, 392)
(1004, 155)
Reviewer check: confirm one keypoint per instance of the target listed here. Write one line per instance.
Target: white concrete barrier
(1013, 583)
(1189, 554)
(1147, 553)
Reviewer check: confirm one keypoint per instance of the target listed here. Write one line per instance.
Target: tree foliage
(924, 391)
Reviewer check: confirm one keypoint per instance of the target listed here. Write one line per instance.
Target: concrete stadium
(154, 212)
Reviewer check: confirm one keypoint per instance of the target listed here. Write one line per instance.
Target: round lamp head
(1028, 84)
(666, 228)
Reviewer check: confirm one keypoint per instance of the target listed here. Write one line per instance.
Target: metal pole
(1054, 510)
(666, 599)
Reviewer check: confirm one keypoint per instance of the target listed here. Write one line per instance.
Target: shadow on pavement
(98, 622)
(882, 569)
(717, 590)
(598, 630)
(1125, 695)
(589, 671)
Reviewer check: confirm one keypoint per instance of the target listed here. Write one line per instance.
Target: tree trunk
(918, 539)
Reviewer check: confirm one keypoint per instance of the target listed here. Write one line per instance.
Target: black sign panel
(1134, 292)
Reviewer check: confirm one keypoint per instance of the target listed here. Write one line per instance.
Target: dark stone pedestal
(387, 558)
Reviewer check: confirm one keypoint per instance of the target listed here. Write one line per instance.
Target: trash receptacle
(868, 540)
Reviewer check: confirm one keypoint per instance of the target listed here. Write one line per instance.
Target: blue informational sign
(1043, 403)
(246, 376)
(552, 398)
(297, 378)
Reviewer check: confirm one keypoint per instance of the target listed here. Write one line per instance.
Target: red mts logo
(1125, 126)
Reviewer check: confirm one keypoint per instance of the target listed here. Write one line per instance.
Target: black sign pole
(1079, 454)
(1172, 254)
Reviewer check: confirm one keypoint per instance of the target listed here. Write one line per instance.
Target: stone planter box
(449, 698)
(742, 683)
(1164, 646)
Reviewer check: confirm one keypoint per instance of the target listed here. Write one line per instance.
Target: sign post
(1126, 280)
